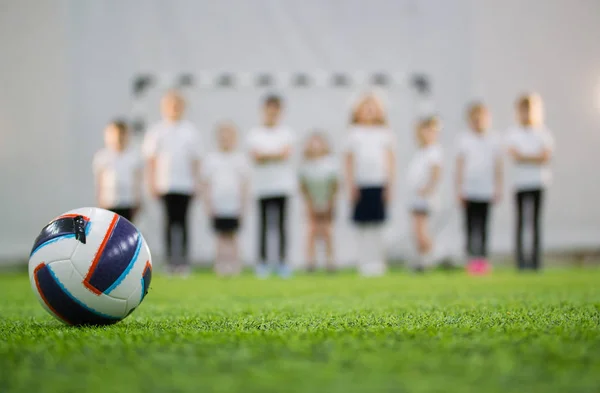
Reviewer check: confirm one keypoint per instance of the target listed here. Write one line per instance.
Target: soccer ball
(90, 266)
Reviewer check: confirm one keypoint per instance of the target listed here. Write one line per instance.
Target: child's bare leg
(311, 244)
(327, 236)
(424, 243)
(220, 258)
(235, 262)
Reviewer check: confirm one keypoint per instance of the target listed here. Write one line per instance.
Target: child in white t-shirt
(531, 146)
(370, 176)
(271, 147)
(424, 174)
(319, 184)
(118, 172)
(172, 148)
(225, 184)
(479, 177)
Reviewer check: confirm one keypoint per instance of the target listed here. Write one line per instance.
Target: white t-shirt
(275, 178)
(320, 178)
(117, 172)
(226, 173)
(176, 146)
(530, 141)
(369, 147)
(480, 153)
(419, 174)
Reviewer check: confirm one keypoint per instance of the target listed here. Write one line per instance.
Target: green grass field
(401, 333)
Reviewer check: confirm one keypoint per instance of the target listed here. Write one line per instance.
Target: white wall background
(67, 68)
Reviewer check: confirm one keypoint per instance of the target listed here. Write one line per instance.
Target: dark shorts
(370, 207)
(226, 225)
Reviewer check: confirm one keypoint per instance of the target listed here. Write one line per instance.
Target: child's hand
(354, 194)
(497, 196)
(387, 194)
(514, 153)
(461, 199)
(154, 190)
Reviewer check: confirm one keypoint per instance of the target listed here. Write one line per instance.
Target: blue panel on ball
(118, 256)
(64, 304)
(61, 228)
(146, 278)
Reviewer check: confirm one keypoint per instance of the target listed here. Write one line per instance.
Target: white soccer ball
(90, 266)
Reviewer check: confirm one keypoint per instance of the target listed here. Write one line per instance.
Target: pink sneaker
(473, 267)
(486, 266)
(478, 267)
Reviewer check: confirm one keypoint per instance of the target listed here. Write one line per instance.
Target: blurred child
(370, 178)
(118, 171)
(479, 176)
(271, 147)
(319, 183)
(225, 191)
(531, 146)
(173, 148)
(424, 174)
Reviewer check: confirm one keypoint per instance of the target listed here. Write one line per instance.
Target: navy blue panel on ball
(117, 258)
(65, 305)
(61, 228)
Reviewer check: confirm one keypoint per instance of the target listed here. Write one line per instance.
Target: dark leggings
(476, 228)
(529, 211)
(269, 207)
(176, 207)
(125, 212)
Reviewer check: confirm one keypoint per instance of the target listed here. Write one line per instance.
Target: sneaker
(478, 267)
(262, 270)
(485, 266)
(284, 271)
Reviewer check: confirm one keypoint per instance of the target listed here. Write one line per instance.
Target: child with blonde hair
(225, 188)
(370, 172)
(424, 174)
(319, 185)
(531, 146)
(479, 183)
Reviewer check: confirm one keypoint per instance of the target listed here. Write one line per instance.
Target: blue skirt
(370, 207)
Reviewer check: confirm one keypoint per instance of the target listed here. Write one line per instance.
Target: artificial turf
(435, 333)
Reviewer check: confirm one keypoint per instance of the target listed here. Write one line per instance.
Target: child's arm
(391, 171)
(205, 195)
(499, 178)
(334, 191)
(151, 168)
(306, 196)
(196, 175)
(245, 195)
(150, 149)
(281, 155)
(138, 184)
(434, 176)
(538, 159)
(99, 185)
(98, 170)
(349, 170)
(460, 168)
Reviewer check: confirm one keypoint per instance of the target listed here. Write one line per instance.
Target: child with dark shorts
(225, 188)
